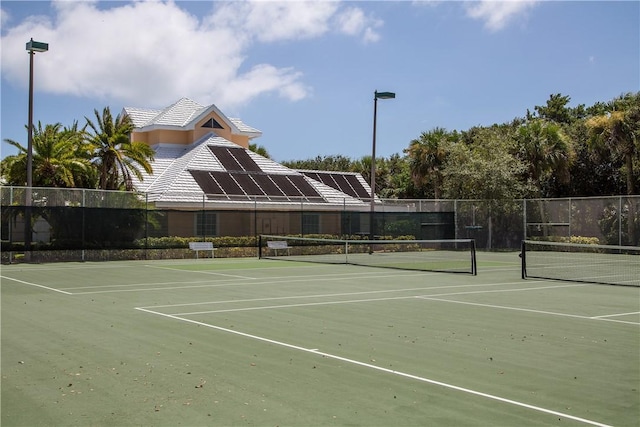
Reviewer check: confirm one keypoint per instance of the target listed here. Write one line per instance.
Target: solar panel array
(244, 177)
(236, 183)
(348, 184)
(234, 159)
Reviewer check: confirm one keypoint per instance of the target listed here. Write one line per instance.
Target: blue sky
(304, 73)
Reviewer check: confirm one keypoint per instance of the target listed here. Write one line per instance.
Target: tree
(546, 151)
(59, 159)
(398, 183)
(337, 163)
(427, 156)
(618, 131)
(484, 170)
(259, 149)
(115, 156)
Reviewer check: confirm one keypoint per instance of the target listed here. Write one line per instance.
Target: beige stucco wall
(188, 136)
(245, 223)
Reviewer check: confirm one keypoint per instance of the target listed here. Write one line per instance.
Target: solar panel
(286, 186)
(344, 185)
(253, 184)
(228, 161)
(326, 179)
(347, 183)
(228, 184)
(234, 159)
(361, 192)
(313, 175)
(206, 183)
(303, 185)
(267, 185)
(248, 184)
(245, 160)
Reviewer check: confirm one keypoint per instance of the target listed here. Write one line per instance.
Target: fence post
(455, 218)
(146, 224)
(620, 221)
(524, 218)
(570, 217)
(84, 209)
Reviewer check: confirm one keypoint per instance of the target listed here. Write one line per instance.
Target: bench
(202, 246)
(277, 245)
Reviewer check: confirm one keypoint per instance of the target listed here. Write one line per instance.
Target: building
(206, 181)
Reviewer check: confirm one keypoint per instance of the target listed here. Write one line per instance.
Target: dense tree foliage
(116, 157)
(555, 151)
(60, 159)
(99, 155)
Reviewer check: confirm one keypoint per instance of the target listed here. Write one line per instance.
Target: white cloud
(151, 53)
(354, 22)
(4, 17)
(498, 14)
(275, 21)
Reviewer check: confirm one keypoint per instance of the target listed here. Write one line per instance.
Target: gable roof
(184, 114)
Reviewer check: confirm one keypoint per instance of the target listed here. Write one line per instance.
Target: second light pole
(377, 95)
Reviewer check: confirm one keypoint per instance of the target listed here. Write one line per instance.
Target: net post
(474, 265)
(523, 262)
(259, 246)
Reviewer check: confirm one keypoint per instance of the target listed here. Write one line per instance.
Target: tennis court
(277, 343)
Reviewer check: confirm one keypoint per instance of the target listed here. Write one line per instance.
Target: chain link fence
(80, 224)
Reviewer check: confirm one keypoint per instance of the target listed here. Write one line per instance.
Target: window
(310, 223)
(206, 224)
(211, 123)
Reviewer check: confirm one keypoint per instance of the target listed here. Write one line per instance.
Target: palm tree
(546, 151)
(427, 157)
(59, 159)
(116, 157)
(619, 132)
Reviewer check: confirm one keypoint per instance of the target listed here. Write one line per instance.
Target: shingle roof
(182, 114)
(178, 114)
(182, 172)
(173, 182)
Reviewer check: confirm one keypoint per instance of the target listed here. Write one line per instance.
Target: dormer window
(211, 123)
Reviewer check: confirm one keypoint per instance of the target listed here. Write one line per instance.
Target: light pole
(32, 48)
(377, 95)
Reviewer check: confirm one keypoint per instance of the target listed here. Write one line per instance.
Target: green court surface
(273, 343)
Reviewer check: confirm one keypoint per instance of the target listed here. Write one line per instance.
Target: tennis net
(605, 264)
(454, 255)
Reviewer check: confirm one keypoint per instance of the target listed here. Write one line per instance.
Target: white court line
(130, 285)
(222, 283)
(386, 370)
(36, 285)
(307, 304)
(231, 310)
(335, 294)
(576, 316)
(214, 273)
(273, 280)
(615, 315)
(425, 297)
